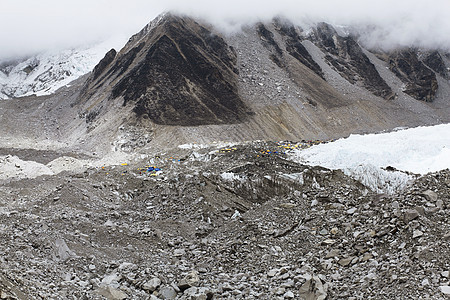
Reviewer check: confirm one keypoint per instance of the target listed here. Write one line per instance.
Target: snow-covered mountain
(44, 73)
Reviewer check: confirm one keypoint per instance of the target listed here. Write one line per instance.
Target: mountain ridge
(179, 80)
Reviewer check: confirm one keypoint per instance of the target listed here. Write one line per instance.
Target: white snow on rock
(66, 163)
(229, 176)
(216, 145)
(364, 157)
(45, 73)
(295, 177)
(12, 167)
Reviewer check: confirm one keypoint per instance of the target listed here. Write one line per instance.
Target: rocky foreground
(240, 222)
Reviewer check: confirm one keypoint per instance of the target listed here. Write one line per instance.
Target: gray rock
(175, 287)
(152, 284)
(179, 252)
(167, 293)
(188, 281)
(127, 267)
(117, 294)
(367, 256)
(197, 293)
(289, 295)
(111, 280)
(62, 250)
(279, 291)
(111, 293)
(430, 195)
(445, 289)
(446, 237)
(332, 253)
(4, 295)
(351, 211)
(410, 215)
(313, 289)
(346, 261)
(420, 210)
(226, 287)
(432, 210)
(417, 233)
(272, 272)
(109, 223)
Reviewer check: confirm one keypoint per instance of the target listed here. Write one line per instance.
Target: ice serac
(421, 82)
(346, 56)
(175, 72)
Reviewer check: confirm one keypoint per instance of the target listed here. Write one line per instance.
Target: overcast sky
(33, 25)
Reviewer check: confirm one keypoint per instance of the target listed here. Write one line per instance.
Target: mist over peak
(33, 26)
(380, 24)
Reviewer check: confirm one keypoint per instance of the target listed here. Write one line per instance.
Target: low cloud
(30, 26)
(382, 23)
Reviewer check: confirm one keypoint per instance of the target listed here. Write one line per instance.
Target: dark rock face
(101, 66)
(177, 73)
(324, 36)
(348, 59)
(269, 42)
(295, 48)
(268, 37)
(435, 62)
(421, 82)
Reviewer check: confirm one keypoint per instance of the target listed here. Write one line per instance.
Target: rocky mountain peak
(270, 80)
(174, 72)
(421, 82)
(434, 60)
(347, 57)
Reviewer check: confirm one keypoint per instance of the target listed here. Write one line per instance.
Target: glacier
(384, 162)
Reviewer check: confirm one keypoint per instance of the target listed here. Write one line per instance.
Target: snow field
(365, 157)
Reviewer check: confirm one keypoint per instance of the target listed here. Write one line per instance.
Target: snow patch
(193, 146)
(215, 145)
(295, 177)
(66, 163)
(12, 167)
(229, 176)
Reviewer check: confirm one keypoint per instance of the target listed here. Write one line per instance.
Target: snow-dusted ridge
(367, 157)
(45, 73)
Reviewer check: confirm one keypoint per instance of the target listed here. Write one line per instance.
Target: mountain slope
(179, 73)
(180, 81)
